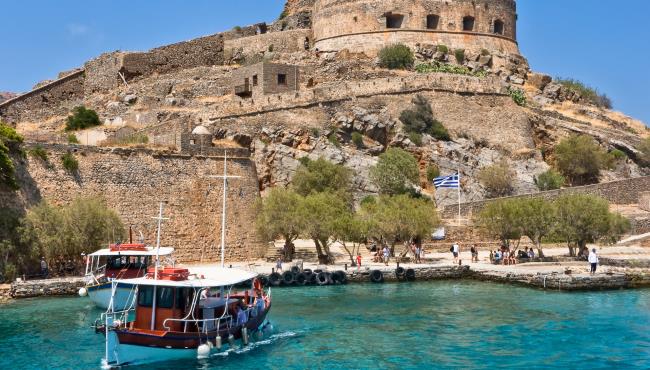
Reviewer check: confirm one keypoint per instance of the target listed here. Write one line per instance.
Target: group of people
(455, 251)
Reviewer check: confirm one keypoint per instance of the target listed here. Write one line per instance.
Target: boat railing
(226, 319)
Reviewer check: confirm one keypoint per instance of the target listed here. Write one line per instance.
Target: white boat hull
(101, 296)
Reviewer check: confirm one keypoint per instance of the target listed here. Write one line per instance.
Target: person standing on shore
(593, 260)
(358, 261)
(44, 270)
(278, 264)
(455, 250)
(386, 255)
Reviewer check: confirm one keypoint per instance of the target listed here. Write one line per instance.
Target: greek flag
(450, 182)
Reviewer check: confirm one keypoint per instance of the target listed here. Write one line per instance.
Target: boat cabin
(122, 261)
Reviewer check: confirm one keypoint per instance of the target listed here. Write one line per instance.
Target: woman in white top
(593, 260)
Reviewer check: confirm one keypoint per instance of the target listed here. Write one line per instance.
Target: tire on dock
(340, 277)
(376, 276)
(288, 278)
(400, 272)
(307, 271)
(410, 275)
(275, 279)
(322, 278)
(301, 279)
(295, 270)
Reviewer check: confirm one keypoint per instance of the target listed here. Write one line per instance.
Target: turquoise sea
(456, 325)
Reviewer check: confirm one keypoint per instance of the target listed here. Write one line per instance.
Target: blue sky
(606, 44)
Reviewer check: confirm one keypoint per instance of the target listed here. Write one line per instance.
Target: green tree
(14, 256)
(420, 120)
(350, 230)
(502, 220)
(580, 159)
(399, 218)
(549, 180)
(10, 142)
(396, 172)
(537, 219)
(584, 218)
(321, 176)
(497, 179)
(397, 56)
(644, 149)
(320, 213)
(278, 216)
(82, 118)
(84, 225)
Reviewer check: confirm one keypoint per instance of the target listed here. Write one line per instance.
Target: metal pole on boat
(155, 274)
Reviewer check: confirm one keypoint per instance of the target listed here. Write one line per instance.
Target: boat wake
(256, 344)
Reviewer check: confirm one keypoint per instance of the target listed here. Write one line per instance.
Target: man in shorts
(455, 250)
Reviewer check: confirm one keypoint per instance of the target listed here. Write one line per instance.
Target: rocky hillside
(4, 96)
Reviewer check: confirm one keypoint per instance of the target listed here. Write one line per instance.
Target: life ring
(410, 275)
(322, 278)
(275, 279)
(288, 278)
(400, 273)
(376, 276)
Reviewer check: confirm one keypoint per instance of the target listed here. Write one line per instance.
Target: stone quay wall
(134, 181)
(235, 106)
(47, 287)
(628, 191)
(421, 273)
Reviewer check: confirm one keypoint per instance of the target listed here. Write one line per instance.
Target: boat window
(183, 298)
(115, 263)
(165, 297)
(145, 296)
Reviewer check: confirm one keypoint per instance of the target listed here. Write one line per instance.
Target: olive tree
(396, 172)
(580, 159)
(502, 220)
(321, 176)
(278, 216)
(321, 213)
(350, 230)
(497, 179)
(537, 220)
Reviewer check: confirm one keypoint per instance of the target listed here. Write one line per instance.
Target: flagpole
(458, 197)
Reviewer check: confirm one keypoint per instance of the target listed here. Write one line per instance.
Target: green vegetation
(271, 47)
(396, 172)
(10, 142)
(442, 49)
(334, 139)
(137, 138)
(549, 180)
(237, 28)
(460, 55)
(416, 138)
(72, 139)
(518, 96)
(580, 159)
(321, 176)
(432, 172)
(577, 219)
(14, 256)
(284, 14)
(485, 52)
(644, 149)
(616, 155)
(587, 92)
(278, 217)
(357, 139)
(82, 118)
(65, 232)
(397, 56)
(433, 67)
(497, 179)
(320, 213)
(420, 120)
(39, 152)
(70, 163)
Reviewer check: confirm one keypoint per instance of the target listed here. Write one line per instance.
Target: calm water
(393, 326)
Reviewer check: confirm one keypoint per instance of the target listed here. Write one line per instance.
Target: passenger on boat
(242, 318)
(259, 304)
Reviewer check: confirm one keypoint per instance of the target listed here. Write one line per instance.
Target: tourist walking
(358, 261)
(474, 251)
(593, 260)
(455, 250)
(278, 264)
(386, 255)
(418, 250)
(44, 271)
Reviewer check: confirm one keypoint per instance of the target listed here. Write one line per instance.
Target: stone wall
(47, 288)
(626, 191)
(364, 25)
(284, 42)
(644, 201)
(55, 98)
(133, 182)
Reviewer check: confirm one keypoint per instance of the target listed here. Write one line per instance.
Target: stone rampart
(134, 181)
(55, 98)
(345, 90)
(626, 191)
(285, 42)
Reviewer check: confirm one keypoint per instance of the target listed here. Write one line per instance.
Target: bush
(420, 120)
(442, 49)
(485, 52)
(271, 48)
(416, 138)
(70, 163)
(434, 67)
(39, 152)
(396, 172)
(497, 179)
(580, 159)
(82, 118)
(644, 149)
(357, 139)
(398, 56)
(432, 172)
(518, 96)
(549, 180)
(321, 176)
(587, 92)
(334, 140)
(617, 155)
(460, 55)
(10, 142)
(72, 139)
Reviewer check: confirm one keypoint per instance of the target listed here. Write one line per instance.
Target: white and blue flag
(449, 182)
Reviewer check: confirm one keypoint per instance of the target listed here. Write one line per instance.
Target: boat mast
(160, 218)
(225, 178)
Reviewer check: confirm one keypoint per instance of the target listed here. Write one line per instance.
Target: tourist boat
(119, 261)
(177, 315)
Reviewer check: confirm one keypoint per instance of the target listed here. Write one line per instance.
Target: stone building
(368, 25)
(265, 78)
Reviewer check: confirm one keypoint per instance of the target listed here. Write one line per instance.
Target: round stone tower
(368, 25)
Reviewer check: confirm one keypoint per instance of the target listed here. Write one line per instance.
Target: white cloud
(75, 29)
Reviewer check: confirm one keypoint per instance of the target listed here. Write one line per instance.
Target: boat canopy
(151, 251)
(218, 277)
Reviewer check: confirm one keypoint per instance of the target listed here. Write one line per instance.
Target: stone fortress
(271, 94)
